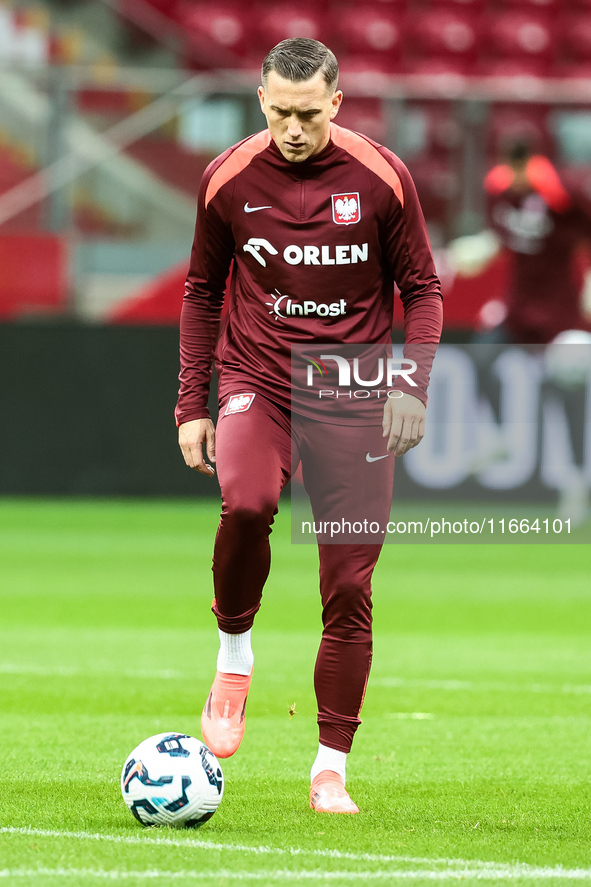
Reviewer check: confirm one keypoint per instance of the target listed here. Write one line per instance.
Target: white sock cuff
(329, 759)
(235, 655)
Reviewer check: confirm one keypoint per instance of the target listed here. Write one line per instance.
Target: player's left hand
(403, 422)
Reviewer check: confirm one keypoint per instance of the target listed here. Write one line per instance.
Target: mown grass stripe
(170, 674)
(482, 686)
(67, 672)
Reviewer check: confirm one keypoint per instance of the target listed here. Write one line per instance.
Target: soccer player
(540, 224)
(323, 220)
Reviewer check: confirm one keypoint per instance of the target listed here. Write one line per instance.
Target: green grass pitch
(472, 764)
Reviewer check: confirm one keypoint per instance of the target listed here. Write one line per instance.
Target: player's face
(299, 114)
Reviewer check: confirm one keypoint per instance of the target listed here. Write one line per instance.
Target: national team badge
(346, 208)
(239, 403)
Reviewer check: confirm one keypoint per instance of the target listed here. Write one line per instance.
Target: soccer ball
(172, 779)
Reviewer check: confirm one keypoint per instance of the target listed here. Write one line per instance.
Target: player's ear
(336, 103)
(261, 95)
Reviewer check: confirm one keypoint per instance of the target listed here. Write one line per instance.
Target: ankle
(329, 759)
(235, 654)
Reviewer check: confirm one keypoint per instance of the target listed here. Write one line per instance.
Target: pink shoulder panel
(236, 162)
(369, 155)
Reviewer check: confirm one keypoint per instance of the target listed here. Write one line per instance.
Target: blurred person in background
(541, 225)
(328, 216)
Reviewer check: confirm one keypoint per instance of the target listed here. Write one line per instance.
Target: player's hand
(403, 423)
(192, 436)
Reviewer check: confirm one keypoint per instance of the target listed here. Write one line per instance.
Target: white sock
(329, 759)
(235, 655)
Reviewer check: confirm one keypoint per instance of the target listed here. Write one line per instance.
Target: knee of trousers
(346, 611)
(249, 518)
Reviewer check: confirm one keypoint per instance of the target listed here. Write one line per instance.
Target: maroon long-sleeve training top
(316, 248)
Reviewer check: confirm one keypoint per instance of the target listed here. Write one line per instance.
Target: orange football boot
(329, 795)
(222, 721)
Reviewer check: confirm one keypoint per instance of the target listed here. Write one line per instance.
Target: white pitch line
(288, 875)
(577, 689)
(454, 867)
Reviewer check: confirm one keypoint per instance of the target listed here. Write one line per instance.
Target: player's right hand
(192, 436)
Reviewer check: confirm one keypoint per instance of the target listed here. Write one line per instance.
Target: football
(172, 779)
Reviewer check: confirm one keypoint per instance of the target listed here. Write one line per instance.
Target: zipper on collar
(302, 199)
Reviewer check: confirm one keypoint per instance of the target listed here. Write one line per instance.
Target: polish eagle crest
(346, 209)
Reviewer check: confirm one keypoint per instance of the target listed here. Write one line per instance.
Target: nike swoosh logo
(254, 209)
(369, 458)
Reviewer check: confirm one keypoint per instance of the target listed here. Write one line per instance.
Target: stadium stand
(227, 26)
(370, 36)
(278, 22)
(472, 37)
(574, 52)
(519, 38)
(442, 38)
(445, 45)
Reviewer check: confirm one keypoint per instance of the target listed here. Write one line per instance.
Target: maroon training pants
(255, 458)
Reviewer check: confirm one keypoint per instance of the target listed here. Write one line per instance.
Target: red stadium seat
(371, 32)
(443, 35)
(576, 38)
(277, 23)
(226, 26)
(520, 35)
(574, 45)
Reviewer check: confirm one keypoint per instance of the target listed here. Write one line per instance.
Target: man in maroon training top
(317, 223)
